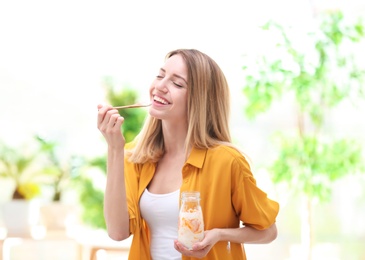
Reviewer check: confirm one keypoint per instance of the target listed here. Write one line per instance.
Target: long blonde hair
(208, 109)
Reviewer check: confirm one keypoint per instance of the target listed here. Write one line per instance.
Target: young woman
(185, 145)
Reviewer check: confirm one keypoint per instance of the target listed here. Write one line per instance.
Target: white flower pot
(19, 216)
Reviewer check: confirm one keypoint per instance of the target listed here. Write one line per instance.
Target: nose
(161, 86)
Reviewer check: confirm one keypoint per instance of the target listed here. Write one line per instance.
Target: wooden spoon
(133, 106)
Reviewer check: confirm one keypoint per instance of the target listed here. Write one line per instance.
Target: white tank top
(161, 212)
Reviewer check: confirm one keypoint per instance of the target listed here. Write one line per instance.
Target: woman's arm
(247, 235)
(115, 199)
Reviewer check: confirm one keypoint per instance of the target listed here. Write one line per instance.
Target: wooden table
(51, 246)
(93, 241)
(79, 244)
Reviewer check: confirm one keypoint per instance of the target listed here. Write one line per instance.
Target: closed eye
(178, 85)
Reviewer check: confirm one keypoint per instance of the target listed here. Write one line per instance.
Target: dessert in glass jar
(191, 224)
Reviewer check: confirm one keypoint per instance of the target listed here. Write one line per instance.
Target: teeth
(158, 99)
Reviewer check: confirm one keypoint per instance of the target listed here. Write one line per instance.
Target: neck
(174, 138)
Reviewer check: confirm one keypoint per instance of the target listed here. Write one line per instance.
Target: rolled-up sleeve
(131, 181)
(251, 204)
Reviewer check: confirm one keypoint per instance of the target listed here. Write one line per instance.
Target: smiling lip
(160, 100)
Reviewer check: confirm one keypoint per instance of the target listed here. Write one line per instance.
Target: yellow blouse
(228, 192)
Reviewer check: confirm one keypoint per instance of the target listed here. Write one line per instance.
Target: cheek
(183, 104)
(185, 100)
(151, 89)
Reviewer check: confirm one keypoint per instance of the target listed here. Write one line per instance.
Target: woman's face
(168, 91)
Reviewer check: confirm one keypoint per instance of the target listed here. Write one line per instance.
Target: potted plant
(310, 159)
(60, 174)
(19, 165)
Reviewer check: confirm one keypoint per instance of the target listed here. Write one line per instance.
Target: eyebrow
(176, 75)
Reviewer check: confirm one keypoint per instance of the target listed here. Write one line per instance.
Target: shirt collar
(197, 157)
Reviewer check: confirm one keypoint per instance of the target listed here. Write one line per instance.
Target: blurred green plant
(91, 196)
(125, 96)
(60, 171)
(319, 73)
(20, 165)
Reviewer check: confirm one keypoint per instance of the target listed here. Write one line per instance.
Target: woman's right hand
(109, 124)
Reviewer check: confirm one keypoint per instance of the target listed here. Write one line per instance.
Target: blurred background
(296, 70)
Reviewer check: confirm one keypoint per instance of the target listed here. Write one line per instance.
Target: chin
(154, 113)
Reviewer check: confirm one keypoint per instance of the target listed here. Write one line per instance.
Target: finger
(176, 247)
(112, 119)
(119, 122)
(179, 247)
(102, 113)
(108, 112)
(198, 246)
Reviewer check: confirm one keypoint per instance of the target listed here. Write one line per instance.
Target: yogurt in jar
(191, 224)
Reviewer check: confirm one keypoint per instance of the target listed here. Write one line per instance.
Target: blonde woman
(185, 145)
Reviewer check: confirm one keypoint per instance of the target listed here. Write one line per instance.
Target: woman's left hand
(200, 249)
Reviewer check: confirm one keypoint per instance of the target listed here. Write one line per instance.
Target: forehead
(176, 64)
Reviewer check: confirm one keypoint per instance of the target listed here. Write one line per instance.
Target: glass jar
(191, 224)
